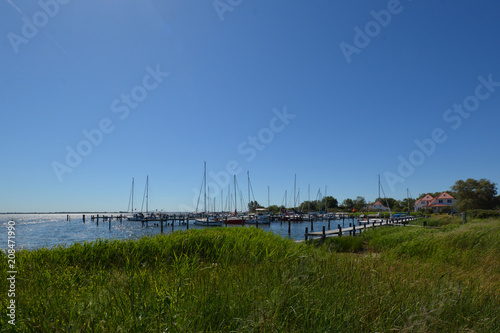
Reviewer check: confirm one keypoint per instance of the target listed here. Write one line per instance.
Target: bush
(482, 213)
(428, 211)
(446, 210)
(341, 244)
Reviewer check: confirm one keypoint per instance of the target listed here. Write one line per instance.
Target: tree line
(470, 194)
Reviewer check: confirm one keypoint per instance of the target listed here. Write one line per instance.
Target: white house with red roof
(422, 203)
(436, 204)
(378, 206)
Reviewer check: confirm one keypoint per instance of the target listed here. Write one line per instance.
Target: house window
(440, 201)
(449, 200)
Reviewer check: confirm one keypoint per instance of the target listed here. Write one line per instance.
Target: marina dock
(352, 230)
(349, 224)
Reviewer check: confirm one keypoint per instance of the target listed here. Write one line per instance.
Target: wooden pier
(167, 220)
(352, 230)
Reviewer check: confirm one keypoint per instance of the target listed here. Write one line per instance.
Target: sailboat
(208, 221)
(135, 216)
(147, 216)
(234, 219)
(258, 217)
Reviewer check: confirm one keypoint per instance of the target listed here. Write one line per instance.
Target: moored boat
(211, 221)
(137, 217)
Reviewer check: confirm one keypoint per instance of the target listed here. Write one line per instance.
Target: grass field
(445, 278)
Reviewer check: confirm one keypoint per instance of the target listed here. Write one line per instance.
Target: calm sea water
(33, 231)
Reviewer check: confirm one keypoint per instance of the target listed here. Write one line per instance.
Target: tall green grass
(242, 279)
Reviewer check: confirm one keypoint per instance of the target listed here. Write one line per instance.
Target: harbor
(51, 230)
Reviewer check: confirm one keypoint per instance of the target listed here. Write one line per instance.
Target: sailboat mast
(205, 185)
(379, 192)
(295, 192)
(147, 194)
(229, 208)
(132, 195)
(379, 187)
(308, 198)
(248, 176)
(235, 202)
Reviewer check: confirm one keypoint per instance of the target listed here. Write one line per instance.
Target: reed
(244, 279)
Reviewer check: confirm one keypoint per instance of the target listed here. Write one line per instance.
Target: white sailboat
(258, 217)
(234, 219)
(208, 221)
(135, 216)
(145, 216)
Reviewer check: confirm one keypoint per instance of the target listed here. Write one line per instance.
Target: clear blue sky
(162, 86)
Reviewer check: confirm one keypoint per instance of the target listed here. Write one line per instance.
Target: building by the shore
(377, 206)
(436, 204)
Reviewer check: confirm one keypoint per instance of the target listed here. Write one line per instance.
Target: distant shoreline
(17, 213)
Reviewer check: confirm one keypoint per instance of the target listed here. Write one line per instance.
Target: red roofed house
(378, 206)
(442, 200)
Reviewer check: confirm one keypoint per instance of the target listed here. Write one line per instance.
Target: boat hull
(205, 223)
(234, 221)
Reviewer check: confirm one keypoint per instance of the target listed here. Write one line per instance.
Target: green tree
(348, 204)
(274, 209)
(408, 202)
(253, 205)
(392, 203)
(331, 203)
(359, 203)
(435, 194)
(475, 194)
(309, 205)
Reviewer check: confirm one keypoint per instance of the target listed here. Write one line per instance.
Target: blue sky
(335, 92)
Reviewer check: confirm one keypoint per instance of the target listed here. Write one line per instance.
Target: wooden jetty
(182, 219)
(352, 230)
